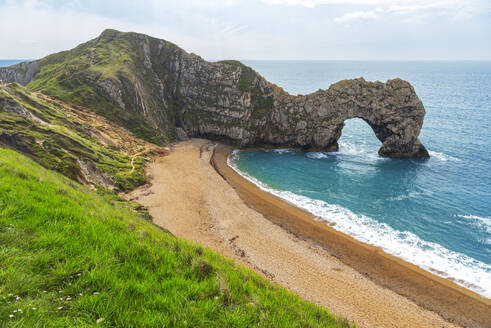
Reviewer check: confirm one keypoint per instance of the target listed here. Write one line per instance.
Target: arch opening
(357, 137)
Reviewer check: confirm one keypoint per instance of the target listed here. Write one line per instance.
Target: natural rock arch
(391, 109)
(162, 89)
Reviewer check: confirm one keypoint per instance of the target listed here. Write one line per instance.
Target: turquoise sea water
(434, 213)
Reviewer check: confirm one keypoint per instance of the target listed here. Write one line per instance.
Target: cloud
(257, 29)
(358, 15)
(455, 9)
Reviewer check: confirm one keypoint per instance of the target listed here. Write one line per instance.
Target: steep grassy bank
(80, 144)
(70, 257)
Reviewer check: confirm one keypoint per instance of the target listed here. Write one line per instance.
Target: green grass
(73, 77)
(70, 256)
(57, 141)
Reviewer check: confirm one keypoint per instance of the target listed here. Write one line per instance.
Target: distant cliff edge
(159, 91)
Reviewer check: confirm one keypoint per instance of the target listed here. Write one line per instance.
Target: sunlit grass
(70, 257)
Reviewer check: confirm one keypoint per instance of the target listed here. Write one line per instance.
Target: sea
(8, 62)
(434, 213)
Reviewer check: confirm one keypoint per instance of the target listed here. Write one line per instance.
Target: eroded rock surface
(167, 88)
(21, 73)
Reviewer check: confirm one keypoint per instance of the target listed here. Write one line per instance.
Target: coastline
(453, 302)
(188, 197)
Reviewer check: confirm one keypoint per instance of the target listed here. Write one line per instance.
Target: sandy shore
(188, 197)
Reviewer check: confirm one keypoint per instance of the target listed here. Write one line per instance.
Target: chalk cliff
(159, 92)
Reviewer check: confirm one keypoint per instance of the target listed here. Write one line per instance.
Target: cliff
(159, 91)
(74, 141)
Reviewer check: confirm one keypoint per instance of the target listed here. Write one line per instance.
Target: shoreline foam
(438, 294)
(457, 267)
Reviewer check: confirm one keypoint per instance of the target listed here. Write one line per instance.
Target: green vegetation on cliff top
(70, 257)
(74, 76)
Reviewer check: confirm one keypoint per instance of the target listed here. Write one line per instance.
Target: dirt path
(189, 198)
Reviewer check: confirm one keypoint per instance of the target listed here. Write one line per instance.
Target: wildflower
(34, 308)
(11, 316)
(60, 308)
(99, 320)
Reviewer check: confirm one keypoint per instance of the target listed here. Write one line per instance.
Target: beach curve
(189, 198)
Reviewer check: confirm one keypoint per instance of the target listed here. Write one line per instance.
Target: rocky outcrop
(174, 92)
(21, 73)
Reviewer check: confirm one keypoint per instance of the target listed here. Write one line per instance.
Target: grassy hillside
(70, 257)
(75, 142)
(107, 75)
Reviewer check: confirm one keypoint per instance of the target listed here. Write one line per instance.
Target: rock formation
(153, 87)
(21, 73)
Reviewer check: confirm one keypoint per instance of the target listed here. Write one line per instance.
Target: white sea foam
(347, 149)
(433, 257)
(281, 151)
(483, 223)
(442, 157)
(316, 155)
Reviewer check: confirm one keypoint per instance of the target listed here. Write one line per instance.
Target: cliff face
(21, 73)
(158, 90)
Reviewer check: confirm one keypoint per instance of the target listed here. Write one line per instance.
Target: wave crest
(460, 268)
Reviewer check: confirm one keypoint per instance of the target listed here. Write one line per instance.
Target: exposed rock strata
(168, 88)
(21, 73)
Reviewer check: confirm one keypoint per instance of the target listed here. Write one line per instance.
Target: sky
(259, 29)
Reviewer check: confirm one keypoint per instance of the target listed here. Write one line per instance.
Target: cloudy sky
(259, 29)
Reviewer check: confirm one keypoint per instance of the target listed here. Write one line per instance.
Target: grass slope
(74, 76)
(59, 138)
(70, 257)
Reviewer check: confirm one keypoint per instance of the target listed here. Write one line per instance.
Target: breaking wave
(460, 268)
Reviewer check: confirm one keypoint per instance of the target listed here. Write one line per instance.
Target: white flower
(11, 316)
(34, 308)
(60, 308)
